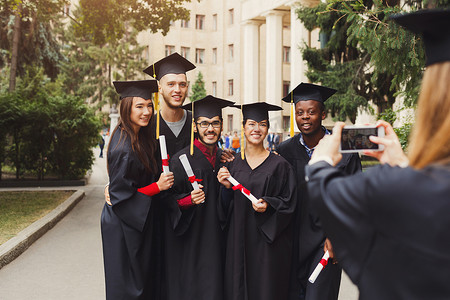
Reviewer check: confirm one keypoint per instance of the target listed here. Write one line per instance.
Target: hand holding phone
(356, 139)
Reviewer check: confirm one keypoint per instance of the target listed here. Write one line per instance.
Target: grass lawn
(20, 209)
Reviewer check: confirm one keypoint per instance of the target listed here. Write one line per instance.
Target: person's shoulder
(177, 155)
(288, 145)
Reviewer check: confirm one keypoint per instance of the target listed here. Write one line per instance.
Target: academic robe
(308, 233)
(175, 143)
(128, 226)
(194, 239)
(390, 228)
(259, 245)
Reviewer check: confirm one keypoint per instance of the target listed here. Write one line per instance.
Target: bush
(44, 134)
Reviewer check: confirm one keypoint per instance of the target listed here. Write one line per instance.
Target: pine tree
(198, 89)
(365, 56)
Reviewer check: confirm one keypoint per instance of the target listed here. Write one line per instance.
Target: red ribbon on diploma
(165, 162)
(323, 262)
(241, 188)
(192, 179)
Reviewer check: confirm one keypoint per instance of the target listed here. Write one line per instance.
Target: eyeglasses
(214, 124)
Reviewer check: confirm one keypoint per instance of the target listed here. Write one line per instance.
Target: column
(274, 60)
(251, 61)
(299, 36)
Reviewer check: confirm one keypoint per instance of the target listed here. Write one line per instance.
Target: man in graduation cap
(309, 238)
(194, 240)
(172, 121)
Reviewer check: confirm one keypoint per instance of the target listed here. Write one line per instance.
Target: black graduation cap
(257, 111)
(309, 91)
(140, 88)
(208, 107)
(434, 25)
(172, 64)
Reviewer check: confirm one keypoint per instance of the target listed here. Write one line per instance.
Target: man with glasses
(194, 240)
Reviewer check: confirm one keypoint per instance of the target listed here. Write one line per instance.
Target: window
(184, 23)
(230, 87)
(230, 123)
(199, 56)
(231, 16)
(286, 54)
(199, 22)
(169, 50)
(287, 123)
(215, 22)
(214, 88)
(185, 52)
(230, 52)
(286, 87)
(214, 56)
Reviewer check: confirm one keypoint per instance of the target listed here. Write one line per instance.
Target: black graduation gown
(308, 234)
(194, 239)
(390, 227)
(259, 245)
(129, 247)
(175, 143)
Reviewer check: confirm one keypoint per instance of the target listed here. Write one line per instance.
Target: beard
(204, 141)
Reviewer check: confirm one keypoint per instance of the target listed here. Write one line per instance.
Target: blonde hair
(430, 139)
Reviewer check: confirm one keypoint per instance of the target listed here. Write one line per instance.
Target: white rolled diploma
(187, 167)
(250, 197)
(319, 268)
(162, 144)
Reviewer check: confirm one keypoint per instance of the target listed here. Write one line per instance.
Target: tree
(29, 40)
(365, 56)
(198, 89)
(105, 21)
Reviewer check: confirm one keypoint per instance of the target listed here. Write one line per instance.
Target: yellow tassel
(192, 132)
(157, 114)
(292, 115)
(242, 135)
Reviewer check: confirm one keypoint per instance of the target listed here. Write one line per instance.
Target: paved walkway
(66, 263)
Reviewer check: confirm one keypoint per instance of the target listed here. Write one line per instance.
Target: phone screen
(358, 139)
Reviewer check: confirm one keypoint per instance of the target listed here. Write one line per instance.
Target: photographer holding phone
(390, 225)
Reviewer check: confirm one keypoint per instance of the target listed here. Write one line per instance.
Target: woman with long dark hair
(390, 225)
(129, 223)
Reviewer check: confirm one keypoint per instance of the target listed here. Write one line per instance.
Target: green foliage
(43, 133)
(388, 115)
(37, 44)
(403, 134)
(105, 21)
(198, 89)
(366, 56)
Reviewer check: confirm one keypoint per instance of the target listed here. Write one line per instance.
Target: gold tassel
(192, 131)
(157, 113)
(292, 115)
(242, 135)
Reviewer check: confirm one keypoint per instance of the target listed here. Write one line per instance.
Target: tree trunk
(15, 48)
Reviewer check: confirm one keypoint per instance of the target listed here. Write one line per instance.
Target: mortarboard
(172, 64)
(207, 107)
(257, 111)
(434, 25)
(305, 92)
(309, 91)
(141, 88)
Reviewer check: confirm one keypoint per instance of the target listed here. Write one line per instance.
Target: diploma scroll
(187, 167)
(238, 186)
(323, 262)
(164, 156)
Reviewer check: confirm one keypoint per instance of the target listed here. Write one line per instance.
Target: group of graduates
(163, 239)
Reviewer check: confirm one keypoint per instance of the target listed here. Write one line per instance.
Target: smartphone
(356, 138)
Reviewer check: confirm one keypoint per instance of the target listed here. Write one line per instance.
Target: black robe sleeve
(124, 172)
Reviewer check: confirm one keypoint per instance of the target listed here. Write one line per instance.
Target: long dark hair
(144, 144)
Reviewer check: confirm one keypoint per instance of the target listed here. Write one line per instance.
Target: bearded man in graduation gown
(194, 239)
(309, 238)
